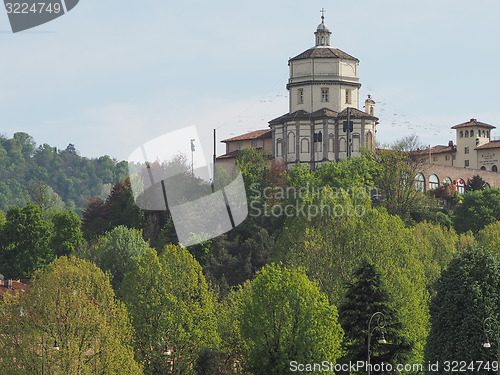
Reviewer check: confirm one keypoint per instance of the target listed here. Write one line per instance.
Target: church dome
(322, 27)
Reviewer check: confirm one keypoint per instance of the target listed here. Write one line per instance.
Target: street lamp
(56, 345)
(167, 349)
(488, 329)
(380, 320)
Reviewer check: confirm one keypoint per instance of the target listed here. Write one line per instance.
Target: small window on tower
(324, 95)
(472, 133)
(347, 96)
(466, 134)
(466, 150)
(300, 96)
(461, 134)
(466, 163)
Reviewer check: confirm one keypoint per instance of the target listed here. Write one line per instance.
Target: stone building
(323, 87)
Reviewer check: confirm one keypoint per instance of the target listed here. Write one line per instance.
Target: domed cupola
(322, 33)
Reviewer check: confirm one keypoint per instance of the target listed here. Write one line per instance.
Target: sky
(111, 75)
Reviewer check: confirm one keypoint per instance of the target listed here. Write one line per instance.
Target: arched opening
(461, 186)
(494, 168)
(472, 133)
(291, 142)
(447, 181)
(342, 145)
(331, 144)
(420, 183)
(461, 134)
(466, 134)
(304, 145)
(279, 147)
(483, 168)
(433, 182)
(369, 140)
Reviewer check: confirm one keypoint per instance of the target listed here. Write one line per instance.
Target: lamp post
(488, 329)
(380, 320)
(56, 345)
(167, 350)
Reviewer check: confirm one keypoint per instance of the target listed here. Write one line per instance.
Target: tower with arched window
(322, 85)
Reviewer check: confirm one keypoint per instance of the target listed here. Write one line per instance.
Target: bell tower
(322, 33)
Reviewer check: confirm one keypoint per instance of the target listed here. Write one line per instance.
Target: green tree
(488, 238)
(395, 180)
(365, 297)
(171, 307)
(468, 291)
(479, 208)
(70, 301)
(475, 183)
(67, 235)
(331, 245)
(286, 318)
(24, 242)
(117, 250)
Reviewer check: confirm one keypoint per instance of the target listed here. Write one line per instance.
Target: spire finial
(323, 11)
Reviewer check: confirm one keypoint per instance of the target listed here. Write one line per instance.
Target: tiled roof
(473, 122)
(319, 114)
(229, 155)
(258, 134)
(17, 286)
(491, 144)
(324, 52)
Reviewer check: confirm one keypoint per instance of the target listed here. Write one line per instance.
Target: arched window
(331, 143)
(291, 142)
(342, 145)
(494, 168)
(433, 182)
(420, 183)
(355, 142)
(466, 134)
(369, 140)
(472, 133)
(371, 111)
(483, 168)
(461, 134)
(279, 147)
(304, 145)
(460, 186)
(447, 181)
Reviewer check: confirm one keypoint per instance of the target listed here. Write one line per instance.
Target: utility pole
(348, 128)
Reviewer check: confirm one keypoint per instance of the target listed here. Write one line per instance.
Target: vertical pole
(213, 175)
(348, 133)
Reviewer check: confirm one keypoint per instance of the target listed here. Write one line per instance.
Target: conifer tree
(366, 296)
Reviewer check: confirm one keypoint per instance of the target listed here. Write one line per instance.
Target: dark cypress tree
(366, 296)
(467, 292)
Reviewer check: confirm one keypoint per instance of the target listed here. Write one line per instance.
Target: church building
(323, 90)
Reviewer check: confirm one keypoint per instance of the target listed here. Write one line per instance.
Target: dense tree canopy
(28, 241)
(70, 302)
(73, 178)
(286, 318)
(171, 307)
(368, 296)
(479, 208)
(467, 292)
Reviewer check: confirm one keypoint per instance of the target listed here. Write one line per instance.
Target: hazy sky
(113, 74)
